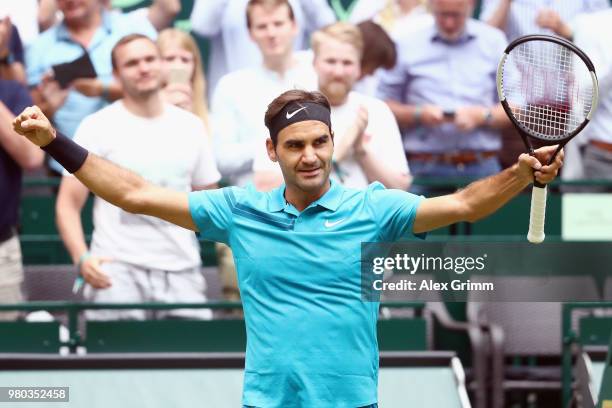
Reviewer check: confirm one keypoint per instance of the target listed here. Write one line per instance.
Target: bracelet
(86, 255)
(416, 116)
(80, 281)
(488, 117)
(105, 92)
(67, 153)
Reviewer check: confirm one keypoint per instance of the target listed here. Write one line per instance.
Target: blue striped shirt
(431, 70)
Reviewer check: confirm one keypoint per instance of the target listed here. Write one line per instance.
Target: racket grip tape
(537, 215)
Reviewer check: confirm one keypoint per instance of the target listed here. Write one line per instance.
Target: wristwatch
(416, 116)
(488, 117)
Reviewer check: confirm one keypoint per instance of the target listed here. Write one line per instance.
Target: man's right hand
(52, 93)
(93, 274)
(431, 115)
(179, 95)
(34, 125)
(353, 135)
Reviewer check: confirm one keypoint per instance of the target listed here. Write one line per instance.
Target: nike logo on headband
(292, 114)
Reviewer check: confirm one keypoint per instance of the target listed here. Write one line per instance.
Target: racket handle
(538, 213)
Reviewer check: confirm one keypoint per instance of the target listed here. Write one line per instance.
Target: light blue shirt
(592, 33)
(311, 339)
(55, 46)
(431, 70)
(522, 16)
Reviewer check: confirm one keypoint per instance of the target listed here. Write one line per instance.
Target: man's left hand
(536, 166)
(550, 19)
(91, 87)
(468, 118)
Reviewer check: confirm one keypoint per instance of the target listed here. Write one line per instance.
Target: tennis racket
(548, 88)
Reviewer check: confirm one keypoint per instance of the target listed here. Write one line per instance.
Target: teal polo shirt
(311, 339)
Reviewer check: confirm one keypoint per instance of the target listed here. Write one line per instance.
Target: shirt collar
(277, 199)
(467, 35)
(331, 199)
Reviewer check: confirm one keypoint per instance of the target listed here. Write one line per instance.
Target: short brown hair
(341, 31)
(125, 40)
(379, 49)
(293, 95)
(268, 5)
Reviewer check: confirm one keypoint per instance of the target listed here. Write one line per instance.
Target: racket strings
(548, 88)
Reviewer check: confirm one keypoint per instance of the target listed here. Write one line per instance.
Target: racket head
(547, 87)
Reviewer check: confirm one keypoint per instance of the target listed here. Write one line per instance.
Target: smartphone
(81, 67)
(449, 114)
(179, 76)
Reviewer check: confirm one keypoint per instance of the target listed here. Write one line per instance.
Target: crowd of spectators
(411, 84)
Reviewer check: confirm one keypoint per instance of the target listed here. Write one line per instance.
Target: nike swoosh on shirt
(292, 114)
(331, 224)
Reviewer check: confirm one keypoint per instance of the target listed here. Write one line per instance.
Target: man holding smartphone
(134, 258)
(177, 89)
(87, 28)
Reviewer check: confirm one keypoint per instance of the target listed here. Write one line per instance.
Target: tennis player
(311, 339)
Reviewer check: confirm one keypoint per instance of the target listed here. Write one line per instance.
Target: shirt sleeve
(395, 211)
(205, 171)
(207, 16)
(20, 98)
(487, 9)
(595, 5)
(211, 211)
(16, 46)
(386, 137)
(233, 155)
(591, 33)
(394, 82)
(35, 67)
(136, 22)
(317, 14)
(87, 137)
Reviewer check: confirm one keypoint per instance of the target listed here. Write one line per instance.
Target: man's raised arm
(114, 184)
(483, 197)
